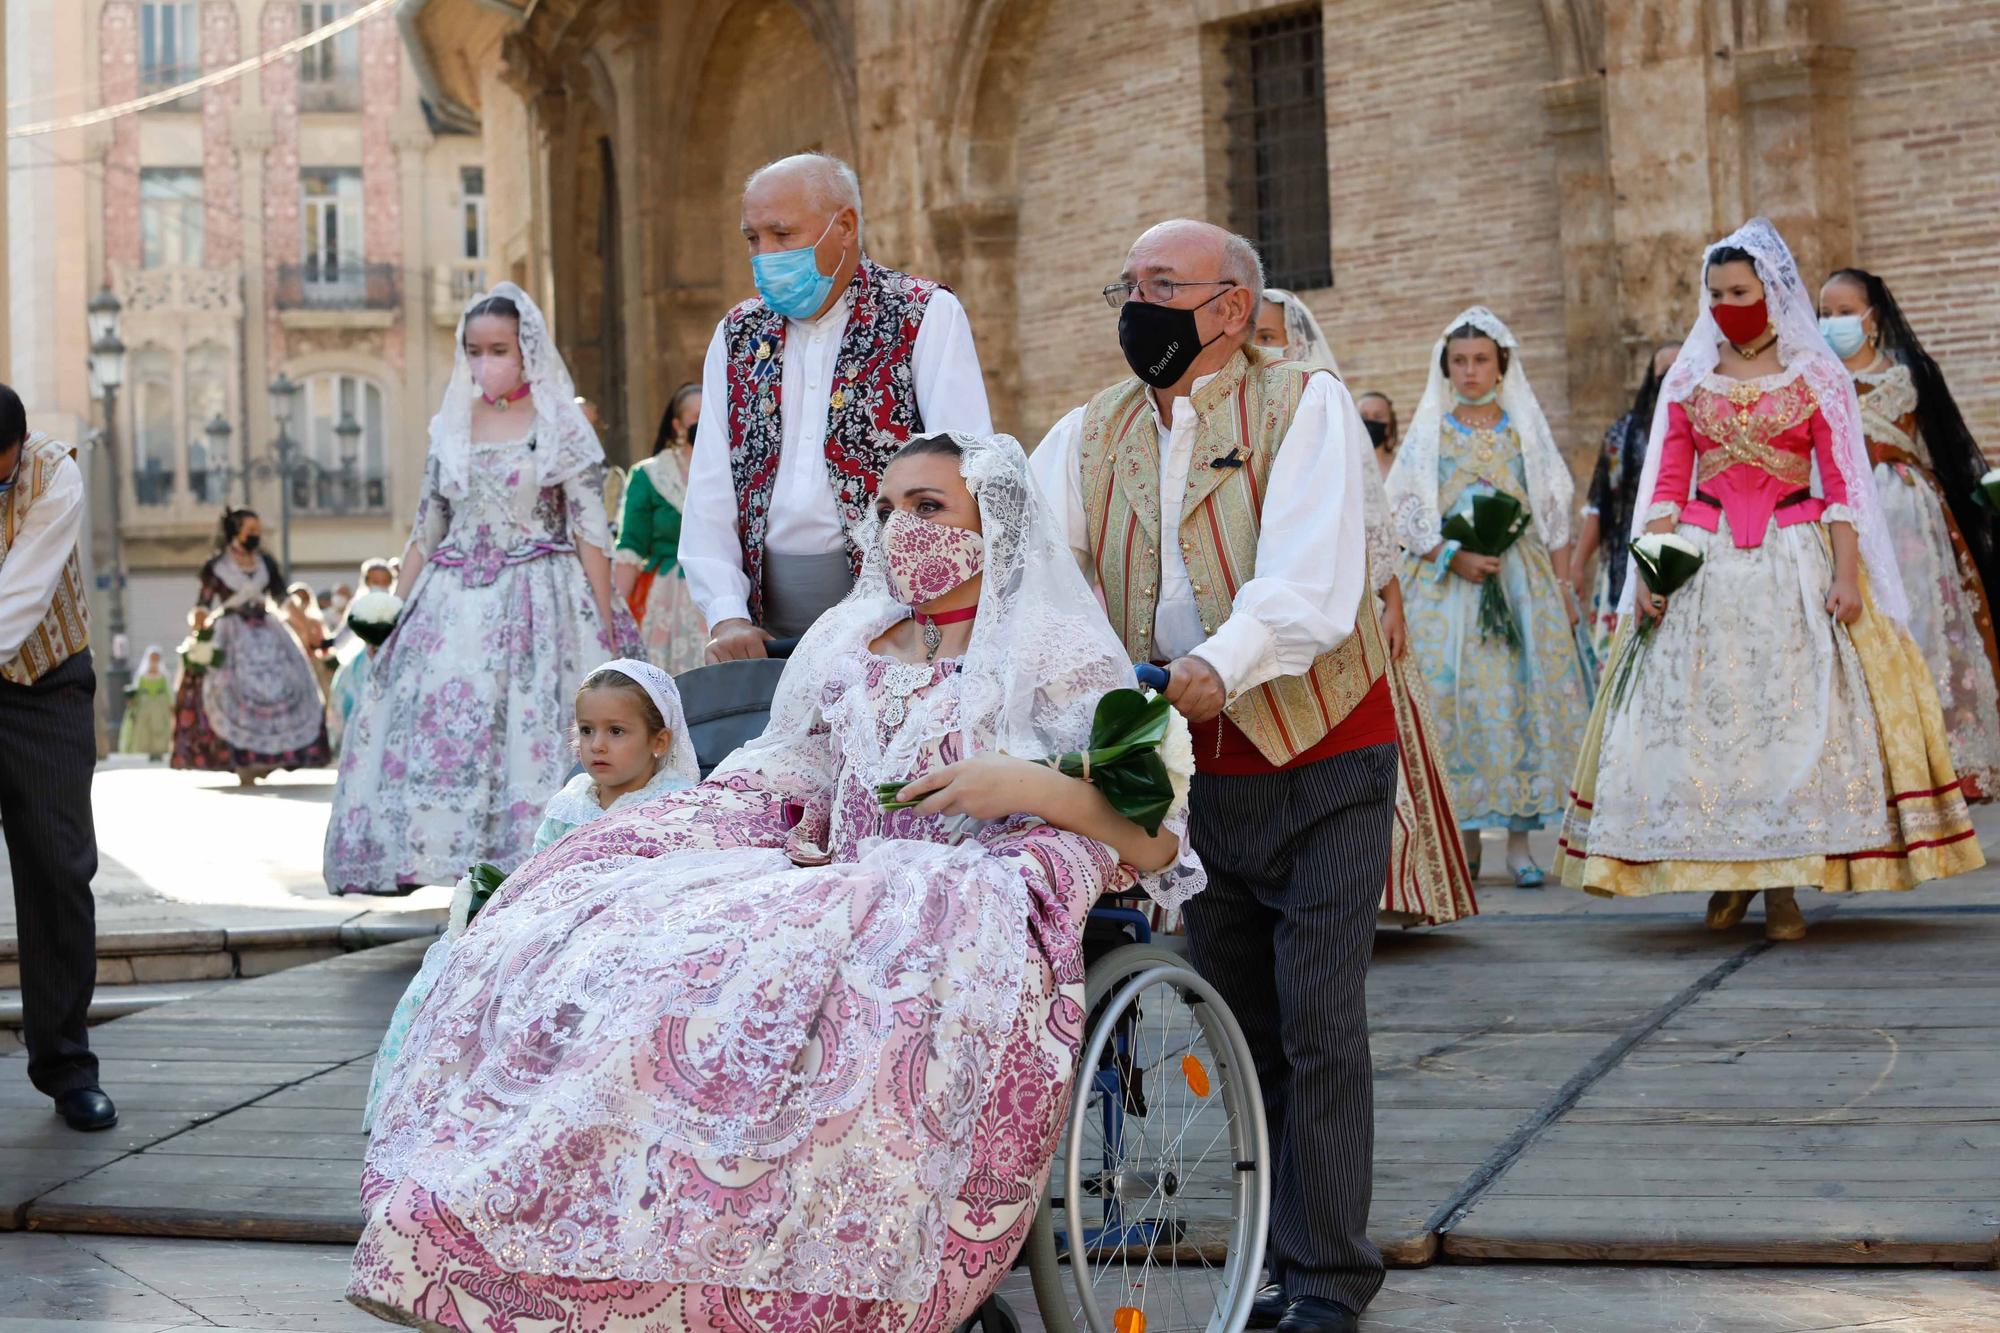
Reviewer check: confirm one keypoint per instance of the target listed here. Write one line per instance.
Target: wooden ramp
(1617, 1085)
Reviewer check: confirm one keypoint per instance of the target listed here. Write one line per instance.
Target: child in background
(148, 727)
(631, 738)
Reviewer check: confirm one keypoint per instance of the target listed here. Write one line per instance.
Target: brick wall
(1926, 136)
(278, 85)
(1442, 183)
(118, 81)
(222, 192)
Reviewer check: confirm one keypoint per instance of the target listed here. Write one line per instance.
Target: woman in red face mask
(1778, 727)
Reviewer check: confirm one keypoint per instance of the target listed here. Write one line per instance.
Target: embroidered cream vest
(1243, 413)
(65, 630)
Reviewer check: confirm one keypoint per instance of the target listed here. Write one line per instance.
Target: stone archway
(589, 268)
(740, 115)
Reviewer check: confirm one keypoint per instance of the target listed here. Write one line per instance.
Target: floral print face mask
(926, 560)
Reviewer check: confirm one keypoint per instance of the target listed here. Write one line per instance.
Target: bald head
(1223, 276)
(816, 181)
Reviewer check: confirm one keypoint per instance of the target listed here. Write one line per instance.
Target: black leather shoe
(1310, 1314)
(86, 1109)
(1269, 1307)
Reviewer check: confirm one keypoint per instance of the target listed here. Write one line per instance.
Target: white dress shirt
(804, 516)
(33, 565)
(1311, 550)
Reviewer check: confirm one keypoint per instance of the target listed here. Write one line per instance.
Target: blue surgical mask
(1481, 401)
(790, 281)
(1843, 333)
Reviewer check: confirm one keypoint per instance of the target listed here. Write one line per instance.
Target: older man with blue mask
(807, 391)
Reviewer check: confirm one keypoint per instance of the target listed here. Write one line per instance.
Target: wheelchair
(1154, 1216)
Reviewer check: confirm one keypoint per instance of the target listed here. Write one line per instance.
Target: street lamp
(283, 391)
(218, 432)
(107, 373)
(349, 433)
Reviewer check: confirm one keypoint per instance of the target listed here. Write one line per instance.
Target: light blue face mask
(1481, 401)
(1843, 333)
(790, 281)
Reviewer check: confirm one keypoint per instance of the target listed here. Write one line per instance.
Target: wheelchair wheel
(1160, 1193)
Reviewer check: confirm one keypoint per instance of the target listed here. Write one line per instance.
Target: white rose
(1177, 753)
(375, 608)
(1653, 543)
(202, 653)
(1991, 478)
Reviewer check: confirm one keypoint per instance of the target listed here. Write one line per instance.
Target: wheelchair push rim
(1172, 1210)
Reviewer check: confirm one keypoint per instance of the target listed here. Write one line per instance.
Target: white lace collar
(576, 803)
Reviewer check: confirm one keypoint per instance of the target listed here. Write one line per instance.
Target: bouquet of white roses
(198, 651)
(1666, 563)
(372, 615)
(1141, 757)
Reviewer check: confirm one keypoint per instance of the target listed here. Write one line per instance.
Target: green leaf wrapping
(1666, 575)
(1490, 526)
(486, 881)
(1124, 761)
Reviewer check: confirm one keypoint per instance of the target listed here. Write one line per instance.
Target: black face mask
(691, 429)
(1378, 431)
(1160, 341)
(250, 543)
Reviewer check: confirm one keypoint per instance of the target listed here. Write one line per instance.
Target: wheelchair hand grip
(1150, 676)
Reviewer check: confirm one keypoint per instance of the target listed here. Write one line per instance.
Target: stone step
(173, 957)
(111, 1002)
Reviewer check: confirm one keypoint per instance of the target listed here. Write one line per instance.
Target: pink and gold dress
(756, 1056)
(1762, 744)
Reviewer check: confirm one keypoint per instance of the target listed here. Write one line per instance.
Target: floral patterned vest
(871, 409)
(1243, 413)
(65, 629)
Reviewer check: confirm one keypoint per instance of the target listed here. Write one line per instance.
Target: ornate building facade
(305, 220)
(1562, 161)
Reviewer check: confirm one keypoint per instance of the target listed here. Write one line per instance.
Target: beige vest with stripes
(65, 630)
(1244, 411)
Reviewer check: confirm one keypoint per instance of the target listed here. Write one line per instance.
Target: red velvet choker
(933, 633)
(506, 400)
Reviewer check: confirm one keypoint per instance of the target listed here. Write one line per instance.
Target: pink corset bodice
(1746, 449)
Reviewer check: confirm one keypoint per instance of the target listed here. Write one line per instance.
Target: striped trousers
(48, 749)
(1296, 861)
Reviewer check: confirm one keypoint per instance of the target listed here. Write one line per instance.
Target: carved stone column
(1797, 161)
(1593, 339)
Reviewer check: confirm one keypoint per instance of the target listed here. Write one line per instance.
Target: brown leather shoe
(1782, 918)
(1725, 910)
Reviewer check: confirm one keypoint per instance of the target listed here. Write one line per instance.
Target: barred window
(1278, 183)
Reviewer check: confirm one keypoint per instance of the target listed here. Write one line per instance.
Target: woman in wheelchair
(763, 1055)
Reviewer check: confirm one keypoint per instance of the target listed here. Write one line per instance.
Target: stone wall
(1926, 136)
(1562, 161)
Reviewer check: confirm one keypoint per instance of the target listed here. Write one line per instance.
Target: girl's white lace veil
(565, 445)
(1040, 657)
(1305, 341)
(1413, 478)
(1805, 354)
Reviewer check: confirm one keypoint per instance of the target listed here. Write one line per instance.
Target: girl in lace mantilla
(1781, 728)
(507, 595)
(632, 743)
(706, 1065)
(1927, 469)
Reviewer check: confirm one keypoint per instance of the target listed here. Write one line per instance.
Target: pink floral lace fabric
(672, 1080)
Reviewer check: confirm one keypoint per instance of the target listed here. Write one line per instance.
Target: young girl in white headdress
(631, 739)
(506, 583)
(1510, 717)
(1781, 727)
(1429, 881)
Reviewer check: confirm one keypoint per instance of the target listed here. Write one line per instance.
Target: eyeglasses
(1156, 291)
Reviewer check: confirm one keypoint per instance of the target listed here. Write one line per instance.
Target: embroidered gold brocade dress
(1762, 744)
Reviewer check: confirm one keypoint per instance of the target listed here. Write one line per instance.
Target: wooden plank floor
(1833, 1101)
(1563, 1086)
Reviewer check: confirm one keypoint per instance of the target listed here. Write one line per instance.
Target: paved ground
(1560, 1078)
(119, 1284)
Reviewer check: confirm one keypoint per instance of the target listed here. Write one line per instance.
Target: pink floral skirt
(421, 1264)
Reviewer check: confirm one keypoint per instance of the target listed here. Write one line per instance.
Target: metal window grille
(1278, 183)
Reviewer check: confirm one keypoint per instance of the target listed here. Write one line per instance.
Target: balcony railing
(453, 286)
(337, 284)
